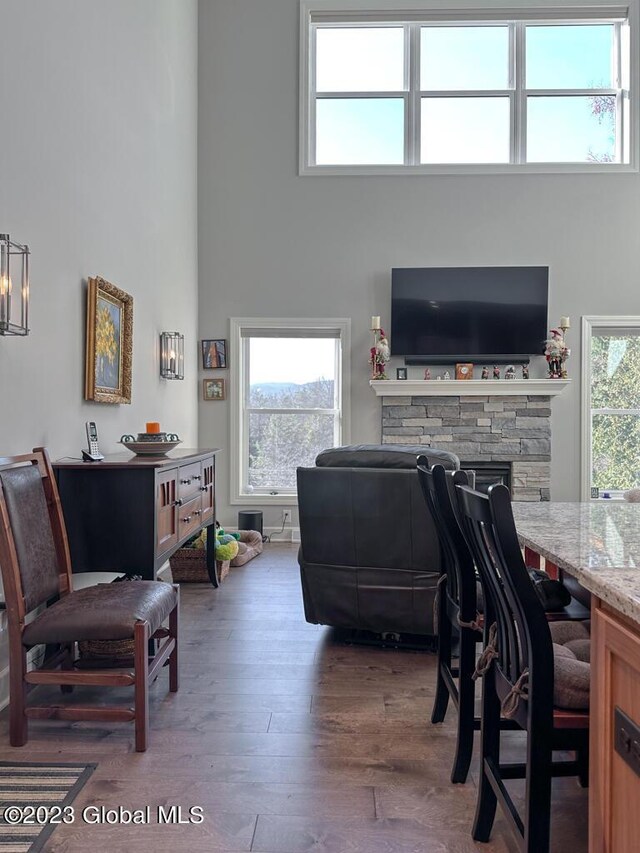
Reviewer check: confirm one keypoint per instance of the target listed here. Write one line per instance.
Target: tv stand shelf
(468, 387)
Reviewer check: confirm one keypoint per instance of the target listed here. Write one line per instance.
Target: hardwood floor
(290, 741)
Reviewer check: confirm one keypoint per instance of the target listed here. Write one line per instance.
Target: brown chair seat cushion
(249, 546)
(107, 611)
(571, 669)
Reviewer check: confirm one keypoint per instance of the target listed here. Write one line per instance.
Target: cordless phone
(93, 454)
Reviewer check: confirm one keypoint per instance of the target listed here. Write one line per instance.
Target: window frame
(239, 447)
(589, 323)
(476, 13)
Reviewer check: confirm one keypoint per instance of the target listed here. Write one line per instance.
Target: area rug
(34, 796)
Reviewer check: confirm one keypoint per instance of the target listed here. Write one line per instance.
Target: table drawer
(189, 517)
(189, 480)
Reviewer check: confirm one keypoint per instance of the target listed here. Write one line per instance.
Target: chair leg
(141, 664)
(441, 700)
(66, 665)
(582, 757)
(537, 822)
(466, 707)
(490, 748)
(174, 619)
(18, 733)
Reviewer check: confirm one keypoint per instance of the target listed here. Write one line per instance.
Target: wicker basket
(111, 649)
(189, 565)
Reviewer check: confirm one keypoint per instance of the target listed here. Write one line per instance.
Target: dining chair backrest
(523, 647)
(34, 553)
(438, 488)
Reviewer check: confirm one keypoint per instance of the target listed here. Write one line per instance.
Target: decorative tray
(151, 444)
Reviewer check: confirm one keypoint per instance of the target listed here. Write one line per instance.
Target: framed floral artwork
(109, 345)
(214, 389)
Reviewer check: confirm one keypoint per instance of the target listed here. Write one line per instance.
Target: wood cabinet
(130, 513)
(614, 790)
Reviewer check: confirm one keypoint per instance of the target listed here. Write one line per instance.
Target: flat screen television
(446, 314)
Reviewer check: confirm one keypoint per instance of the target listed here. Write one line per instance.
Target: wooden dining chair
(36, 573)
(541, 685)
(458, 614)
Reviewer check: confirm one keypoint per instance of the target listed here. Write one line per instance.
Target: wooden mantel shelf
(468, 387)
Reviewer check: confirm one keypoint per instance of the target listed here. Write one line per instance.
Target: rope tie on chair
(489, 653)
(475, 624)
(436, 601)
(520, 690)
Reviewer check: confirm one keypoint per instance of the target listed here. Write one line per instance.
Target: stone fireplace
(504, 434)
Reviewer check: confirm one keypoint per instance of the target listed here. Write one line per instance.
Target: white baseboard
(289, 534)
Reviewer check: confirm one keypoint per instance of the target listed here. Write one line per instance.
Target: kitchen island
(598, 544)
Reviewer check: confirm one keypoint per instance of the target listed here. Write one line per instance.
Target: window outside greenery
(615, 411)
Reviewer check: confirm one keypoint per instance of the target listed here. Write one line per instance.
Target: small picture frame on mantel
(401, 372)
(464, 370)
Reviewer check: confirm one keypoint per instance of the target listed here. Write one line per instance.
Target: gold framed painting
(109, 352)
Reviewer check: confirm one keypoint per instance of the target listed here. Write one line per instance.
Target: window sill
(264, 500)
(473, 169)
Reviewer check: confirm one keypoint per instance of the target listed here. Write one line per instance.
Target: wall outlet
(286, 516)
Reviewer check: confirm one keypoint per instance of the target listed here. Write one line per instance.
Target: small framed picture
(401, 372)
(214, 389)
(214, 354)
(464, 371)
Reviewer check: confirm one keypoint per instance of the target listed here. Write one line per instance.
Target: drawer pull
(178, 502)
(187, 519)
(197, 512)
(197, 477)
(186, 482)
(204, 488)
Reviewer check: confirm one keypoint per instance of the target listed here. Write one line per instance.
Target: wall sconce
(10, 299)
(172, 355)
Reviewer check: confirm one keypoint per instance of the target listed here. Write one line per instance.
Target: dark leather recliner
(369, 555)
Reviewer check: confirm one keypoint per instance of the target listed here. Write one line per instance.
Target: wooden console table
(130, 513)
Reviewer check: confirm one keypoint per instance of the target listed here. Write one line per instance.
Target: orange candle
(153, 427)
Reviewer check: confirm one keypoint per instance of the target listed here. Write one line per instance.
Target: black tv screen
(446, 314)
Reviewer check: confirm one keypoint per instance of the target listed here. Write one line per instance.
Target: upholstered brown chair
(36, 572)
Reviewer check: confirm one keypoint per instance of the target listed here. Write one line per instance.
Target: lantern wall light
(172, 355)
(14, 297)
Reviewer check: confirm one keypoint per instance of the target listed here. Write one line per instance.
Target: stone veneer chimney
(515, 429)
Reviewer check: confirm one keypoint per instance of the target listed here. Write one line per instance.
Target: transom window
(290, 386)
(611, 395)
(420, 95)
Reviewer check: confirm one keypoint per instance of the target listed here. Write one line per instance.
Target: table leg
(211, 556)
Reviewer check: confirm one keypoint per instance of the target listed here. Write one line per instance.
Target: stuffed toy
(226, 546)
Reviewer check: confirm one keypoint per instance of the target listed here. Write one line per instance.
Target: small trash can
(250, 519)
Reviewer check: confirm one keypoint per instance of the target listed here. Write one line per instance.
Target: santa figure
(556, 352)
(379, 356)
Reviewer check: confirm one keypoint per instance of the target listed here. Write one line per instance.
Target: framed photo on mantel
(464, 371)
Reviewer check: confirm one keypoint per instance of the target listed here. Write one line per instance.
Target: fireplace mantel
(468, 387)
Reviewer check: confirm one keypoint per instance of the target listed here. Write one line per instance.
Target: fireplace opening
(488, 473)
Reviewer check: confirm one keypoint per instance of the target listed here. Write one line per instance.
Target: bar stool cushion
(571, 669)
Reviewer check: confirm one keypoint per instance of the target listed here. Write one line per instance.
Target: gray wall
(275, 244)
(98, 165)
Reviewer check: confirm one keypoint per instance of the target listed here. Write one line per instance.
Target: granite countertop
(596, 542)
